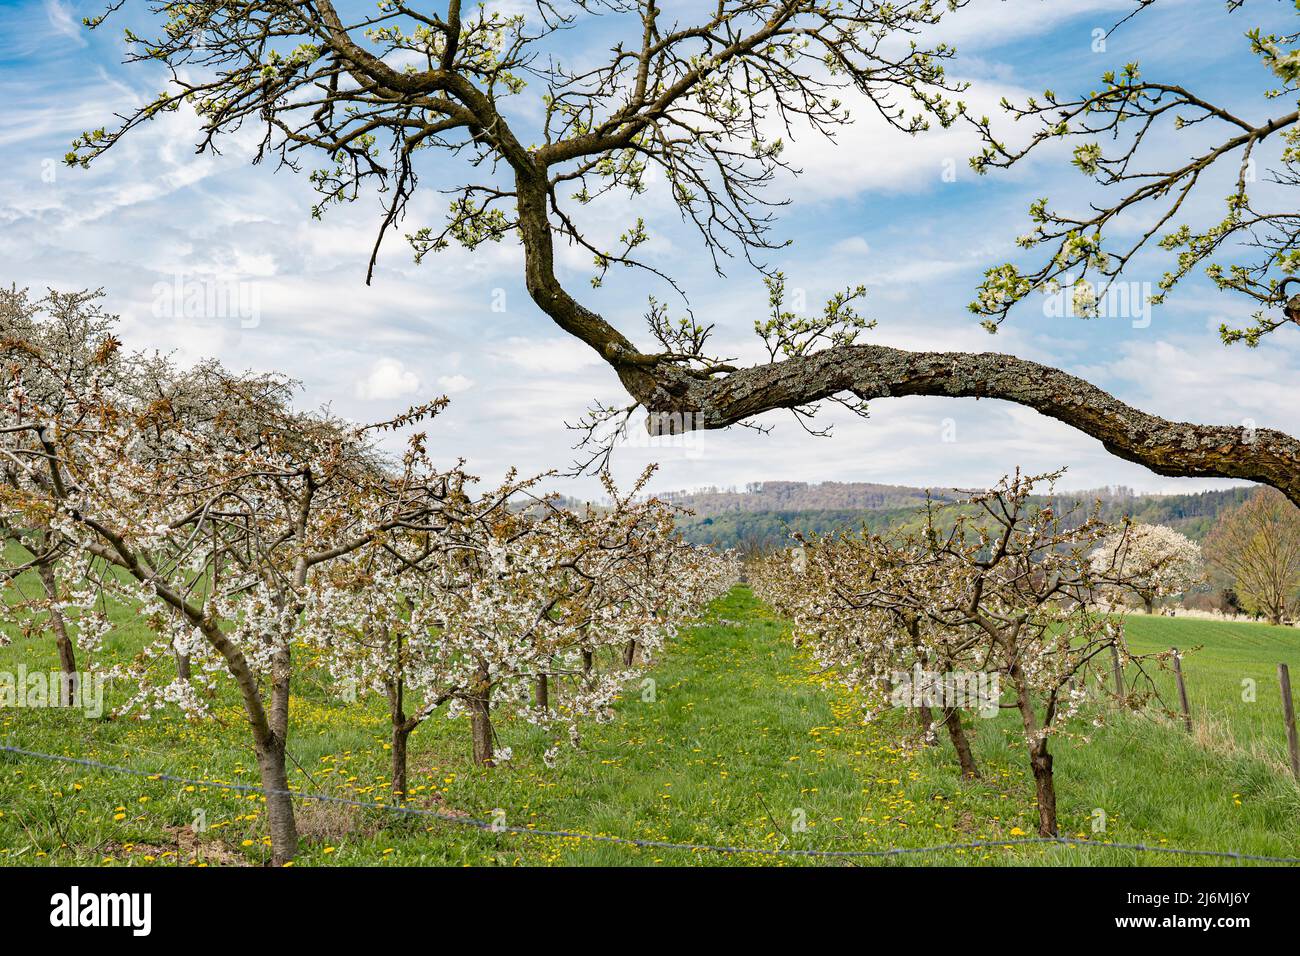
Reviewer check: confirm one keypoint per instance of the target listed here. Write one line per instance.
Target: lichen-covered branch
(1176, 449)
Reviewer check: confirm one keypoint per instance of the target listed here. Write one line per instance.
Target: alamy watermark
(133, 911)
(662, 430)
(214, 298)
(1093, 300)
(979, 691)
(39, 689)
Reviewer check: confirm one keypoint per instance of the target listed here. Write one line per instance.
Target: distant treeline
(799, 496)
(740, 526)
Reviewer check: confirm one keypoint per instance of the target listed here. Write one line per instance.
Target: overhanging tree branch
(868, 372)
(706, 104)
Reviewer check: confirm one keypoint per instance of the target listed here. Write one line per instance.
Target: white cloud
(454, 383)
(1236, 386)
(546, 355)
(63, 22)
(980, 25)
(870, 154)
(852, 246)
(388, 379)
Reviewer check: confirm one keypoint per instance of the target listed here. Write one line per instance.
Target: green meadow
(738, 741)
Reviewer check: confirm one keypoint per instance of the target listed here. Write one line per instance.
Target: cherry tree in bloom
(374, 633)
(53, 349)
(638, 564)
(1155, 561)
(205, 501)
(528, 597)
(515, 606)
(845, 598)
(1008, 589)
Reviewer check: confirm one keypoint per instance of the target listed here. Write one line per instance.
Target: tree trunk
(1170, 448)
(401, 734)
(672, 393)
(270, 733)
(481, 728)
(480, 717)
(629, 654)
(926, 717)
(541, 693)
(588, 659)
(270, 728)
(183, 666)
(279, 803)
(68, 678)
(960, 743)
(1149, 600)
(1040, 761)
(271, 759)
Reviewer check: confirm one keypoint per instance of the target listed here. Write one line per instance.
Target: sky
(152, 222)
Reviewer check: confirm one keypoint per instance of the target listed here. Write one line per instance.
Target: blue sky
(876, 209)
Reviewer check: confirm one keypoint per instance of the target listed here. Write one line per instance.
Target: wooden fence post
(1288, 714)
(1182, 689)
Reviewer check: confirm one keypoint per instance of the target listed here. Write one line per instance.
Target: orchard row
(251, 537)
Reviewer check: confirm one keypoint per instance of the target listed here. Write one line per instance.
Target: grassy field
(742, 741)
(1220, 658)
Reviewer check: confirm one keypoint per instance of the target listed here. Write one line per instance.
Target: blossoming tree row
(1001, 590)
(245, 532)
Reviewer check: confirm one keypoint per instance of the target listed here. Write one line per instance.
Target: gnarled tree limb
(1176, 449)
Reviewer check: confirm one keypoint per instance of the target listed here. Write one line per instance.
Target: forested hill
(765, 514)
(801, 496)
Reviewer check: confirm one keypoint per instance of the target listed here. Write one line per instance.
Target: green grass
(742, 738)
(1219, 658)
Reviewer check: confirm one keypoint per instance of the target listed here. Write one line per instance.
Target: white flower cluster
(1152, 561)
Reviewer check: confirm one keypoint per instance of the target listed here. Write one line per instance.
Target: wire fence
(494, 826)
